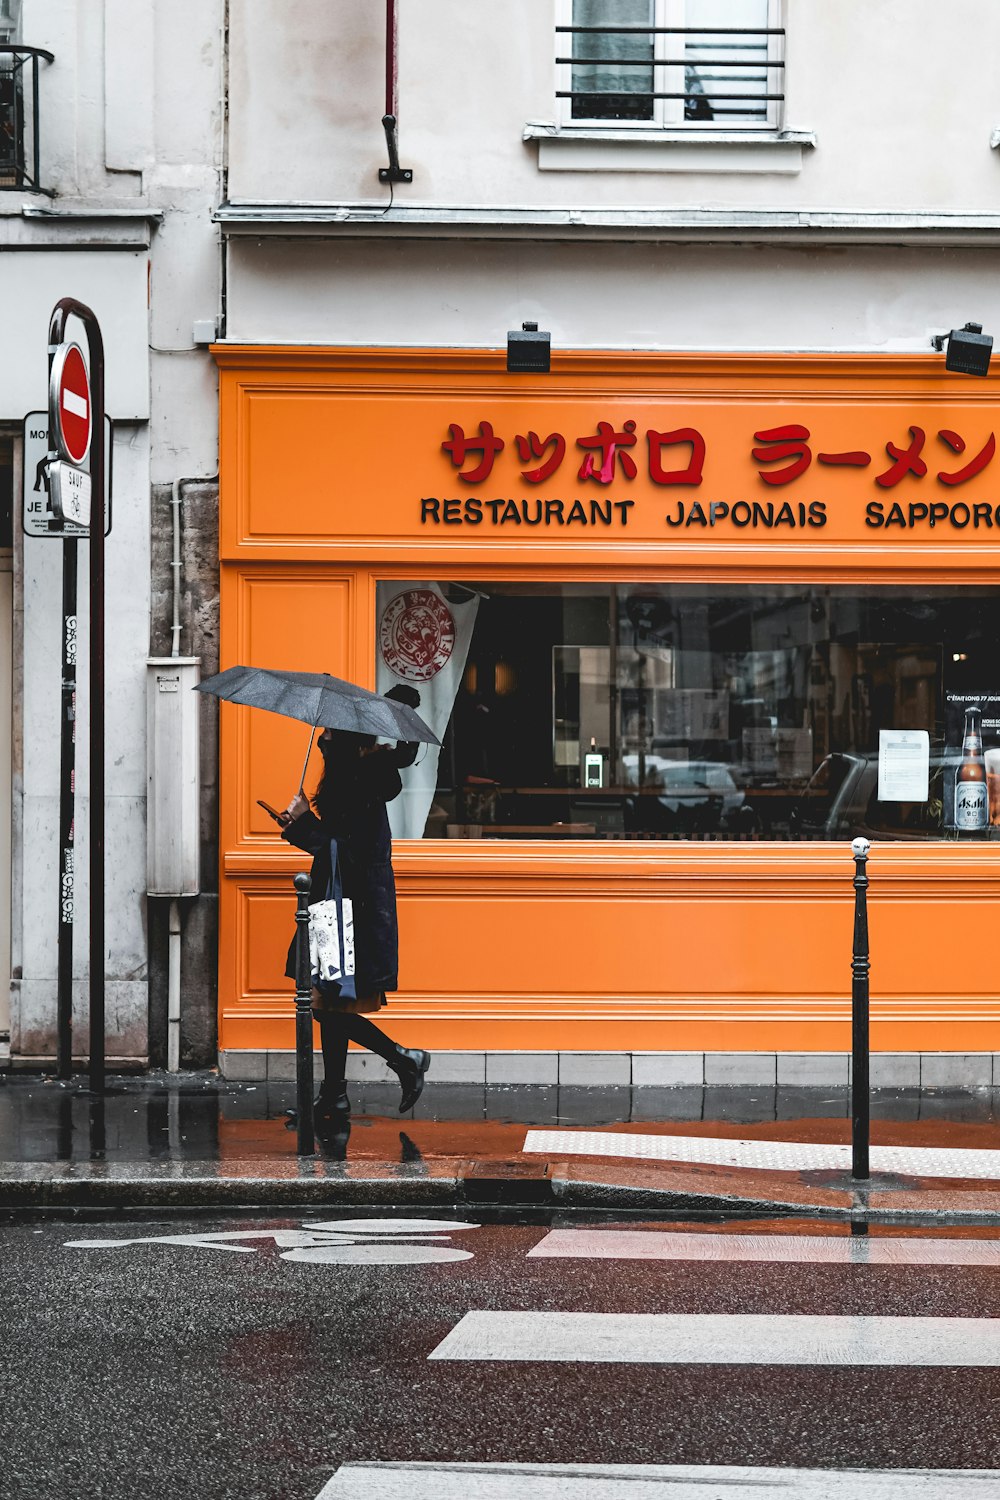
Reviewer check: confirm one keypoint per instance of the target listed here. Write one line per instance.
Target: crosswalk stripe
(768, 1156)
(385, 1481)
(721, 1339)
(843, 1250)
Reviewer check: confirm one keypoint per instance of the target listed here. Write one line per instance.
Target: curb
(540, 1186)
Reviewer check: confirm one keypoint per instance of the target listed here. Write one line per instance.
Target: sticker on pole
(70, 404)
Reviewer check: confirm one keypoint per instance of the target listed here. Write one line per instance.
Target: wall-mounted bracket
(393, 172)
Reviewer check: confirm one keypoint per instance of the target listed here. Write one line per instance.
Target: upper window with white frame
(670, 64)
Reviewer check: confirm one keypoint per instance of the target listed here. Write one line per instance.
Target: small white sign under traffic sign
(39, 516)
(69, 493)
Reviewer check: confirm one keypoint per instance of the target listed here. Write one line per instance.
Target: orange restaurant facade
(756, 479)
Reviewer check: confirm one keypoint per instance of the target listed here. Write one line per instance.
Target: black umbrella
(319, 699)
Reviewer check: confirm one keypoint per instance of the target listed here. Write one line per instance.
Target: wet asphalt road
(189, 1370)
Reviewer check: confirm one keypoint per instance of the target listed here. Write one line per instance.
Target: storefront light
(968, 351)
(528, 351)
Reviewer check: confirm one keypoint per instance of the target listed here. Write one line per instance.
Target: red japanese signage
(624, 459)
(729, 455)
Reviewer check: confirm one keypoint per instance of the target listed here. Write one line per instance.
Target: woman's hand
(297, 808)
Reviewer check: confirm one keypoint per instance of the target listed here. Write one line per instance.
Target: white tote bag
(331, 940)
(331, 934)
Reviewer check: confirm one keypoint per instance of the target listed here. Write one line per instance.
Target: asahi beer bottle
(972, 809)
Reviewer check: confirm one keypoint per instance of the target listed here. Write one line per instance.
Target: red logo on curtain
(416, 635)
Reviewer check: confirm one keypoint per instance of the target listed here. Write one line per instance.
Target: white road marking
(203, 1241)
(393, 1226)
(771, 1156)
(722, 1339)
(841, 1250)
(388, 1253)
(381, 1481)
(74, 403)
(332, 1235)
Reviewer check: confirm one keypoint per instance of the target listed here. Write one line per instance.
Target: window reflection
(694, 712)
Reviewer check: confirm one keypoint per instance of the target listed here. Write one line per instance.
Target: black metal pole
(67, 790)
(306, 1138)
(96, 705)
(860, 967)
(65, 308)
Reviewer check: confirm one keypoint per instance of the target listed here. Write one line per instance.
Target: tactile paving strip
(773, 1156)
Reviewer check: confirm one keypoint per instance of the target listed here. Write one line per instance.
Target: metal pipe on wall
(174, 990)
(174, 921)
(390, 58)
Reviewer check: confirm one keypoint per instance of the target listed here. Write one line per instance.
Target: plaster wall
(876, 80)
(131, 118)
(38, 621)
(184, 181)
(113, 283)
(605, 296)
(131, 115)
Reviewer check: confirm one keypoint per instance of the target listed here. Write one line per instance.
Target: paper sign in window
(903, 765)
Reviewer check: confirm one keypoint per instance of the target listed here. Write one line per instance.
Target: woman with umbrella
(359, 778)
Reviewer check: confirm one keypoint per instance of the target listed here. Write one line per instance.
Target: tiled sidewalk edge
(544, 1185)
(963, 1070)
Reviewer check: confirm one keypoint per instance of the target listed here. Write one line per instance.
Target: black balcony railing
(19, 159)
(722, 73)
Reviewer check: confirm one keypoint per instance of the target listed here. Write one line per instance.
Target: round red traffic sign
(70, 403)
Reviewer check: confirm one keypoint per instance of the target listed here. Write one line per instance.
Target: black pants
(337, 1029)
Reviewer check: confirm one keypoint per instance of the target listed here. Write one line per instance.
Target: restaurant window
(689, 712)
(670, 63)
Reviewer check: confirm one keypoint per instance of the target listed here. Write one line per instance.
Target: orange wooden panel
(270, 617)
(279, 619)
(380, 420)
(486, 962)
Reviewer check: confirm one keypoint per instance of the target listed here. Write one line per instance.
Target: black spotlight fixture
(528, 351)
(968, 350)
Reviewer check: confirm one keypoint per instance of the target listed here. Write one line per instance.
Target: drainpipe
(174, 989)
(175, 564)
(174, 921)
(174, 924)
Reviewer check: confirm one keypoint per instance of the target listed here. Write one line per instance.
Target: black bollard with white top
(860, 968)
(306, 1136)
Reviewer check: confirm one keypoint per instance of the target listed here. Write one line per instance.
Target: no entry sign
(70, 404)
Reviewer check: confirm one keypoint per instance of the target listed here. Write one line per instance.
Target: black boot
(332, 1102)
(410, 1067)
(331, 1109)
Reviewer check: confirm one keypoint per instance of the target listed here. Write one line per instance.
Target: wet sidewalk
(195, 1139)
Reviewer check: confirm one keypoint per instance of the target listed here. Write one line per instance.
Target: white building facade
(110, 175)
(689, 180)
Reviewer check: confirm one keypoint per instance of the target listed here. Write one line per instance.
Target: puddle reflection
(205, 1118)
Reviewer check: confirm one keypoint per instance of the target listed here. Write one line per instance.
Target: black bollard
(860, 966)
(306, 1137)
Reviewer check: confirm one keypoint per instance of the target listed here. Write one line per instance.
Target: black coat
(360, 824)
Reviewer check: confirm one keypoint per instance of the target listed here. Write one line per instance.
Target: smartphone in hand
(277, 816)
